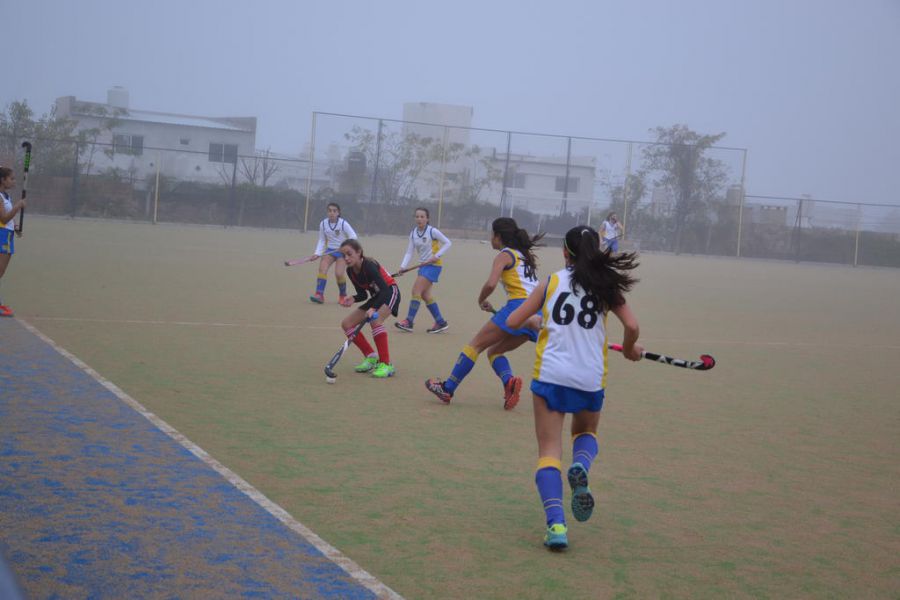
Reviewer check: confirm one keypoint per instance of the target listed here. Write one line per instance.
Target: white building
(184, 146)
(538, 183)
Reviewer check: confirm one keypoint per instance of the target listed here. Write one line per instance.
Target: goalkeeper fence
(380, 169)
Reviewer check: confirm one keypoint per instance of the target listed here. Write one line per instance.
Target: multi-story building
(138, 142)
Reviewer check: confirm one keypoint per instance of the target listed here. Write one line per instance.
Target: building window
(561, 185)
(185, 141)
(128, 144)
(515, 180)
(223, 153)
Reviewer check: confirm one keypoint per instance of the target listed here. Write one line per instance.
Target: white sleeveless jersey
(425, 245)
(571, 346)
(7, 206)
(331, 235)
(515, 283)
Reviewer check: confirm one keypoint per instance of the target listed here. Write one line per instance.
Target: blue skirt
(567, 400)
(430, 272)
(499, 319)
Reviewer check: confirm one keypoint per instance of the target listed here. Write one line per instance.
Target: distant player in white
(333, 231)
(427, 244)
(570, 366)
(612, 231)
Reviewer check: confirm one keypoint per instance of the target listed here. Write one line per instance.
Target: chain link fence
(379, 170)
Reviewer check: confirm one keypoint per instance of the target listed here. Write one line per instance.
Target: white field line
(355, 571)
(763, 343)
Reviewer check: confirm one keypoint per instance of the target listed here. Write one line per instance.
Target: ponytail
(518, 239)
(598, 272)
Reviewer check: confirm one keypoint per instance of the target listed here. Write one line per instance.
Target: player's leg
(340, 276)
(512, 385)
(408, 323)
(584, 451)
(429, 277)
(385, 367)
(6, 250)
(548, 426)
(322, 279)
(487, 336)
(370, 358)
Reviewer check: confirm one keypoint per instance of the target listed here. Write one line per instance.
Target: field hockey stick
(26, 164)
(705, 363)
(300, 261)
(329, 368)
(408, 269)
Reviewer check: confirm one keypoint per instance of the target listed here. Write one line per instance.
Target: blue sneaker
(582, 499)
(556, 538)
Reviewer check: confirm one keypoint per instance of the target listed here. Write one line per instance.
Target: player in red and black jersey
(379, 293)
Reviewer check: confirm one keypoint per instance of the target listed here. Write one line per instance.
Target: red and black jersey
(371, 279)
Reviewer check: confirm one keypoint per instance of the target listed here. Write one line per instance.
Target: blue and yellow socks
(435, 311)
(342, 286)
(548, 478)
(320, 284)
(501, 367)
(413, 308)
(584, 449)
(463, 366)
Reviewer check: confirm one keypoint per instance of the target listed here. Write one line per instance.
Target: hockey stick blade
(329, 368)
(705, 363)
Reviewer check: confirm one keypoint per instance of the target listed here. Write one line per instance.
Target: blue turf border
(96, 501)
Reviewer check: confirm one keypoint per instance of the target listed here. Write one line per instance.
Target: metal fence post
(443, 173)
(741, 204)
(309, 173)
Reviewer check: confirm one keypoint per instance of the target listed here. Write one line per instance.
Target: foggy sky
(810, 87)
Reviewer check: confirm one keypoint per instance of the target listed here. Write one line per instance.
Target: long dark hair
(518, 239)
(599, 272)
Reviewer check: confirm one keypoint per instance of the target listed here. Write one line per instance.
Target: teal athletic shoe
(556, 538)
(368, 364)
(582, 499)
(383, 371)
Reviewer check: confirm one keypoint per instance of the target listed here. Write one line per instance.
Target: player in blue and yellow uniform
(570, 366)
(515, 267)
(333, 230)
(427, 244)
(8, 212)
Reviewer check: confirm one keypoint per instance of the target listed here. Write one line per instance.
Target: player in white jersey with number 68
(570, 368)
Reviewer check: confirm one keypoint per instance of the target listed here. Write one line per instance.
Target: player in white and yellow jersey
(8, 212)
(514, 267)
(570, 368)
(333, 231)
(427, 244)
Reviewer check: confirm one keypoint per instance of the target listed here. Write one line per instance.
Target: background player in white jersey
(334, 230)
(570, 367)
(612, 230)
(8, 212)
(427, 244)
(516, 268)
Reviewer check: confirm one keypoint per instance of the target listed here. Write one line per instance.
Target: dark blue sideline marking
(97, 502)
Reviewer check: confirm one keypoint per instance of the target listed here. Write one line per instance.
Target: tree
(678, 159)
(400, 160)
(260, 169)
(51, 135)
